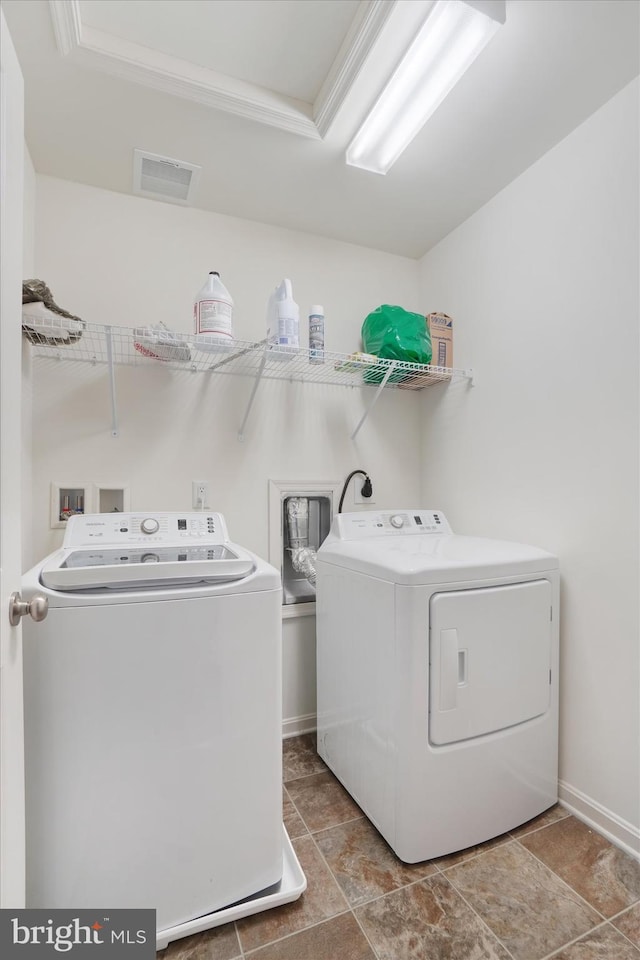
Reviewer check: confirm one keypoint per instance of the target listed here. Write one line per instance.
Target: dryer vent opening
(305, 524)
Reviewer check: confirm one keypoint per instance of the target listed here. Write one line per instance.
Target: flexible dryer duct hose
(303, 557)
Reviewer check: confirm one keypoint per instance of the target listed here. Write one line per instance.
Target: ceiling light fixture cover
(446, 45)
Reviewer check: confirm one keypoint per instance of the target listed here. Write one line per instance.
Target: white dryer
(437, 678)
(153, 724)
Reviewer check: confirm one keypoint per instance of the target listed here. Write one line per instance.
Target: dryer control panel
(374, 523)
(159, 528)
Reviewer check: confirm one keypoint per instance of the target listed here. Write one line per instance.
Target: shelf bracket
(381, 387)
(112, 380)
(256, 383)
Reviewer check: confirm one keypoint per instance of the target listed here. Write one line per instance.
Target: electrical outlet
(358, 483)
(199, 494)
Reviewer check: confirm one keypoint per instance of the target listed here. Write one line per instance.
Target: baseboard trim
(295, 726)
(603, 821)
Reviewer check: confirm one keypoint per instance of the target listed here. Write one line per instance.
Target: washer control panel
(370, 523)
(145, 528)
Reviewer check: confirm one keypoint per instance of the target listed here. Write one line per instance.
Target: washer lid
(122, 551)
(449, 558)
(149, 565)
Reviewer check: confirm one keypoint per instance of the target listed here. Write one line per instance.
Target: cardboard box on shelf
(441, 330)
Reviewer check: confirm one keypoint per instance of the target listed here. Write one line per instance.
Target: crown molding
(67, 25)
(351, 57)
(96, 49)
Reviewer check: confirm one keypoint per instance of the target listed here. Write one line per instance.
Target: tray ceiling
(265, 95)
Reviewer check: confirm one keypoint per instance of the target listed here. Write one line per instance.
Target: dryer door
(490, 659)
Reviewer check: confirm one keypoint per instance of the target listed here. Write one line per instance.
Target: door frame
(12, 809)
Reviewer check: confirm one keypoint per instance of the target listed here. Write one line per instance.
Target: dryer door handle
(449, 670)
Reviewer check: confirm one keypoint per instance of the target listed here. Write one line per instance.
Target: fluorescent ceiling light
(446, 45)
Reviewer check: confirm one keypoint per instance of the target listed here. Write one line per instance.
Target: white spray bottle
(283, 318)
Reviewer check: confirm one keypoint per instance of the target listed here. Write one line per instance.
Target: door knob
(37, 608)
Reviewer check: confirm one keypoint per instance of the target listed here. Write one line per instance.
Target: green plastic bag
(393, 333)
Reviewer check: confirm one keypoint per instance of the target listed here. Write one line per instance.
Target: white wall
(543, 286)
(28, 271)
(129, 261)
(29, 211)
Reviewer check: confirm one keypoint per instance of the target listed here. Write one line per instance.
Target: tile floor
(550, 889)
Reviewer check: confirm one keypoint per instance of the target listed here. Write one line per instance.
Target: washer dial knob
(397, 521)
(150, 525)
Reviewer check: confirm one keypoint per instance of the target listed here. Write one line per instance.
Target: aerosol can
(316, 334)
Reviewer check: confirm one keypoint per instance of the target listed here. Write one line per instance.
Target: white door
(11, 727)
(490, 656)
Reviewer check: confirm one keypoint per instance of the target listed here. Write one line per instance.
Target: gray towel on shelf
(36, 291)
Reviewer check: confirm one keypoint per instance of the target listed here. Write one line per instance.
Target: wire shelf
(121, 346)
(111, 346)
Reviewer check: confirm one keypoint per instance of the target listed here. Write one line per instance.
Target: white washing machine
(437, 659)
(153, 736)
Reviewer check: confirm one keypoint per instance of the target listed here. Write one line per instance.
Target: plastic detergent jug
(283, 317)
(213, 310)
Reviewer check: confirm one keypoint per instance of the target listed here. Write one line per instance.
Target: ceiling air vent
(163, 178)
